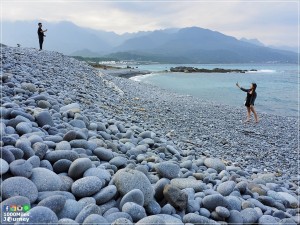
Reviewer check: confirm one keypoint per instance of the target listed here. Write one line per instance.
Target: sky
(272, 22)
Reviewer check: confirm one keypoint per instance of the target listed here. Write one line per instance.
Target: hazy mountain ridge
(186, 45)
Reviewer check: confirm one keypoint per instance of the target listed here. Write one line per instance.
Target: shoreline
(107, 145)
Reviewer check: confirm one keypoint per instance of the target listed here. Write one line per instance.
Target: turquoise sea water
(277, 85)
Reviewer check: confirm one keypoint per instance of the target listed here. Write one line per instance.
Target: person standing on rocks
(250, 99)
(41, 35)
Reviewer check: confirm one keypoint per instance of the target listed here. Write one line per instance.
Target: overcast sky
(272, 22)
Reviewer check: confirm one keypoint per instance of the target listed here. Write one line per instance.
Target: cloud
(271, 22)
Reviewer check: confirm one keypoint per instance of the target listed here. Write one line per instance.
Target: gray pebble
(21, 168)
(45, 180)
(86, 186)
(95, 219)
(136, 211)
(4, 167)
(86, 211)
(55, 203)
(106, 194)
(44, 118)
(78, 167)
(212, 201)
(40, 215)
(168, 170)
(135, 195)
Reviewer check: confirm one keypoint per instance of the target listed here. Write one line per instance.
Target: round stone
(45, 180)
(177, 198)
(4, 167)
(135, 195)
(214, 163)
(61, 154)
(114, 216)
(196, 219)
(78, 167)
(34, 161)
(102, 174)
(226, 188)
(153, 220)
(40, 149)
(70, 135)
(122, 221)
(127, 179)
(55, 203)
(235, 217)
(210, 202)
(183, 183)
(168, 170)
(63, 145)
(86, 186)
(19, 186)
(249, 215)
(62, 165)
(95, 219)
(103, 154)
(136, 211)
(222, 211)
(44, 118)
(105, 195)
(71, 209)
(21, 168)
(118, 161)
(86, 211)
(44, 104)
(24, 128)
(266, 220)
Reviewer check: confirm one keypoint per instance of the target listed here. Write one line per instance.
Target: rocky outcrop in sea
(82, 147)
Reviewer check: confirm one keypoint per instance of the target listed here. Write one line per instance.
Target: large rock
(183, 183)
(21, 168)
(128, 179)
(226, 188)
(4, 167)
(86, 186)
(19, 186)
(214, 163)
(175, 196)
(136, 211)
(44, 118)
(210, 202)
(249, 215)
(168, 170)
(45, 180)
(78, 167)
(293, 202)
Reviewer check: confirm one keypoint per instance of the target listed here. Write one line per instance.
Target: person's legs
(248, 114)
(254, 112)
(41, 40)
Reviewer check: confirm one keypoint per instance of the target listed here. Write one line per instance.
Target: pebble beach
(81, 146)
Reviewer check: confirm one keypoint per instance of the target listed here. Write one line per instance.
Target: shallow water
(277, 85)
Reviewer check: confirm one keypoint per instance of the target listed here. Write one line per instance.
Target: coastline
(97, 140)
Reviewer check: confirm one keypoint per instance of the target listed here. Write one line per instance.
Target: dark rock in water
(212, 201)
(40, 215)
(135, 195)
(136, 211)
(95, 219)
(128, 179)
(78, 167)
(55, 203)
(86, 186)
(184, 69)
(175, 196)
(45, 180)
(19, 186)
(86, 211)
(44, 118)
(168, 170)
(21, 168)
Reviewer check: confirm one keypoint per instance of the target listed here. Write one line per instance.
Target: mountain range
(174, 45)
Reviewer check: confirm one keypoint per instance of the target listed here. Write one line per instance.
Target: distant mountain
(252, 41)
(198, 45)
(187, 45)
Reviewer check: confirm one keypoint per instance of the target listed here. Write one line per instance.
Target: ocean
(277, 85)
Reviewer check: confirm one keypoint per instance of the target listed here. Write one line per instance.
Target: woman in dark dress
(250, 99)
